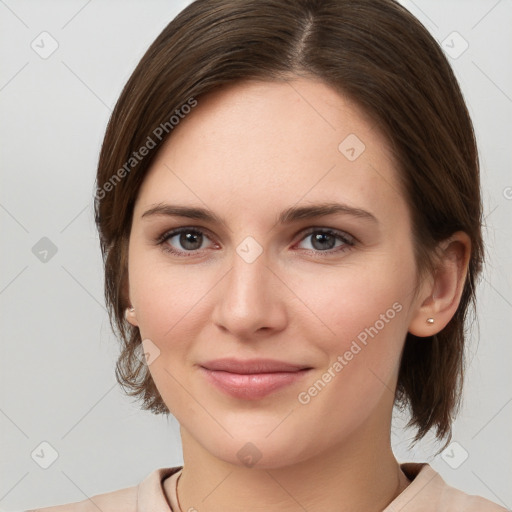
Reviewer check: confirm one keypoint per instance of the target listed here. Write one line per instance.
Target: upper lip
(252, 366)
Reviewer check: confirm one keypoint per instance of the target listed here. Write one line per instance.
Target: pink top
(427, 492)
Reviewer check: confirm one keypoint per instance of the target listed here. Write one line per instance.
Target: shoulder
(122, 500)
(429, 492)
(146, 495)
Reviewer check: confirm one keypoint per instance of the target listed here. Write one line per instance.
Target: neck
(361, 474)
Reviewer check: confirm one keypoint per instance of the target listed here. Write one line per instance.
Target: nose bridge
(249, 298)
(248, 283)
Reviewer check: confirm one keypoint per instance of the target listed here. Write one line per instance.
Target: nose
(251, 300)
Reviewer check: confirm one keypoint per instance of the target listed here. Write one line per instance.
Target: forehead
(255, 144)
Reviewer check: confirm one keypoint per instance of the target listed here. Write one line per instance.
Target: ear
(440, 295)
(131, 316)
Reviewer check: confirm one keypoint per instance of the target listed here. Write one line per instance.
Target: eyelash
(348, 241)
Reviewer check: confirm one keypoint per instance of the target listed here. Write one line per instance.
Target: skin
(248, 152)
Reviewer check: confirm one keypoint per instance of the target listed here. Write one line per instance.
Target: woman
(289, 210)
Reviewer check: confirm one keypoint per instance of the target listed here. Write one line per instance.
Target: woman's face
(263, 273)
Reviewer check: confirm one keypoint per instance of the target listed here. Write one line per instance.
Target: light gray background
(57, 352)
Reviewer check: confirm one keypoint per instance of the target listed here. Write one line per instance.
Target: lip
(252, 379)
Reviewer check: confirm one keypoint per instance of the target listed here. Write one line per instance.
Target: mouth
(252, 379)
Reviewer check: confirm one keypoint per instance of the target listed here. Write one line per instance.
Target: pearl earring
(430, 321)
(128, 311)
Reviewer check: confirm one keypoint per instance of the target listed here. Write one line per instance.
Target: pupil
(323, 237)
(188, 239)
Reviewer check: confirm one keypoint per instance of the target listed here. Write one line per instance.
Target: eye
(182, 241)
(328, 240)
(187, 241)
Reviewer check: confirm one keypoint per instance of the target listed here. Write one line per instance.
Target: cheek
(334, 305)
(160, 307)
(169, 302)
(366, 313)
(167, 296)
(364, 319)
(359, 302)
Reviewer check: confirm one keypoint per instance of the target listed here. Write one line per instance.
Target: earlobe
(440, 298)
(130, 317)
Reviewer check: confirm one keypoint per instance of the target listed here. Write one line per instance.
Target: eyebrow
(287, 216)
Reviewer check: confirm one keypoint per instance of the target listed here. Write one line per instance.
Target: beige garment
(427, 492)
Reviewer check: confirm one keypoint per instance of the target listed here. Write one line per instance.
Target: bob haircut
(380, 56)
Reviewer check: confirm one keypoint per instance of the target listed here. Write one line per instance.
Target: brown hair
(373, 51)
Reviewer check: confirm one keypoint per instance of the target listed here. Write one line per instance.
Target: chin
(259, 450)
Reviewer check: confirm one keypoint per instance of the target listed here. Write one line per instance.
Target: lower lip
(252, 386)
